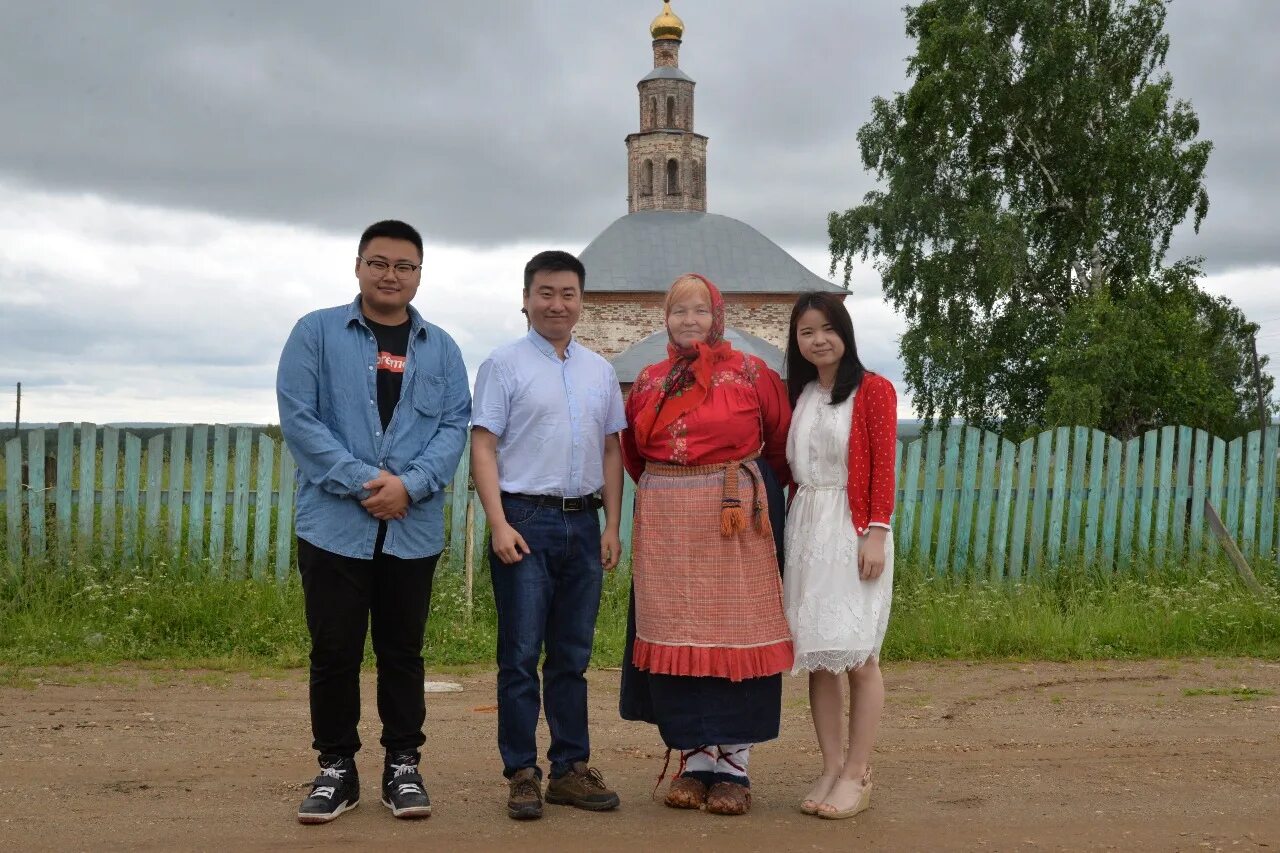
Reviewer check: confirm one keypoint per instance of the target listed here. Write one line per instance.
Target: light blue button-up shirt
(551, 416)
(327, 388)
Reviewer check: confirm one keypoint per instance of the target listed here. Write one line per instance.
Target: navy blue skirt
(692, 711)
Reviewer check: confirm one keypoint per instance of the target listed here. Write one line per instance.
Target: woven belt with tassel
(731, 516)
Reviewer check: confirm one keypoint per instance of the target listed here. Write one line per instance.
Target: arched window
(671, 111)
(673, 177)
(698, 179)
(646, 178)
(651, 120)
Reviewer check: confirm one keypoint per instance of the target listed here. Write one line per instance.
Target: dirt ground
(1098, 756)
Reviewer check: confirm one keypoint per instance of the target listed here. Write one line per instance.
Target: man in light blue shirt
(544, 441)
(374, 407)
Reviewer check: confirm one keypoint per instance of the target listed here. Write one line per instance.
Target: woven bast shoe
(686, 792)
(728, 798)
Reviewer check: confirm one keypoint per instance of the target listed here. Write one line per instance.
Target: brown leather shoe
(582, 787)
(525, 799)
(686, 792)
(729, 798)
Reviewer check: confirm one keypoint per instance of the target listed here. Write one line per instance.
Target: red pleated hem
(733, 664)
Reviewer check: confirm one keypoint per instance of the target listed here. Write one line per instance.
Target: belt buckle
(571, 504)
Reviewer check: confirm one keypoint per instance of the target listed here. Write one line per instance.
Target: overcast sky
(178, 185)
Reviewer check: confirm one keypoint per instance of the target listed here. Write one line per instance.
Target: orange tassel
(731, 521)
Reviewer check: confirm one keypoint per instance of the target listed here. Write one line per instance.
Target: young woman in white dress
(839, 548)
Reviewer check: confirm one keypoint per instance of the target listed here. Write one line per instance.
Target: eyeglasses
(404, 269)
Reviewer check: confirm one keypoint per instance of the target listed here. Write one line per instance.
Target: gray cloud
(494, 122)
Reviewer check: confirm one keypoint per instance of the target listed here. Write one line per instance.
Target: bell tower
(666, 160)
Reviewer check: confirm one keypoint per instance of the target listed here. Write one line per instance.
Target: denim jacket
(327, 391)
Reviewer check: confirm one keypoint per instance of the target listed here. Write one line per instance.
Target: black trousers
(344, 597)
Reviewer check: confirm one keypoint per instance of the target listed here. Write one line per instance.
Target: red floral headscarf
(688, 379)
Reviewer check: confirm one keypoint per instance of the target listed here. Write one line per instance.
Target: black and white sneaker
(402, 789)
(333, 792)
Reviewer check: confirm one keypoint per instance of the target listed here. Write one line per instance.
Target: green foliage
(1038, 157)
(1075, 614)
(171, 616)
(1165, 352)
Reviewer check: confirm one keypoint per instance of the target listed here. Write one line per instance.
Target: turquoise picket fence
(968, 501)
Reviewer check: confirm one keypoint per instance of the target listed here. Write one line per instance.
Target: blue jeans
(549, 599)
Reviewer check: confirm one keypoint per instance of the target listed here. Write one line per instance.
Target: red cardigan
(872, 453)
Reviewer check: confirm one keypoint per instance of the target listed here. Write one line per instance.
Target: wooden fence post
(110, 489)
(1182, 494)
(36, 497)
(985, 500)
(62, 493)
(155, 475)
(132, 497)
(947, 505)
(218, 500)
(262, 506)
(968, 491)
(1249, 518)
(177, 490)
(1003, 502)
(13, 502)
(88, 487)
(199, 478)
(933, 448)
(1058, 500)
(240, 501)
(284, 514)
(1266, 525)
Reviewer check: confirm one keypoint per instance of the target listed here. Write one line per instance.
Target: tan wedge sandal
(862, 804)
(809, 805)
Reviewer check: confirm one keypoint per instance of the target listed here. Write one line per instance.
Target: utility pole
(17, 414)
(1263, 420)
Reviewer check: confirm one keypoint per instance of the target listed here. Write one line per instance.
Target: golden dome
(667, 25)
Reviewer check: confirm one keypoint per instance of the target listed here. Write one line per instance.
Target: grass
(1074, 614)
(171, 616)
(1240, 694)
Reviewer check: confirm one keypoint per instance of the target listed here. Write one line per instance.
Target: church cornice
(665, 131)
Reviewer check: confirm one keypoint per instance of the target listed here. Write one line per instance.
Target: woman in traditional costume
(707, 639)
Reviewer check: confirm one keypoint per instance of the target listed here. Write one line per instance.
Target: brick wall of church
(611, 322)
(690, 152)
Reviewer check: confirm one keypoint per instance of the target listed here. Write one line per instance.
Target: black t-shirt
(393, 345)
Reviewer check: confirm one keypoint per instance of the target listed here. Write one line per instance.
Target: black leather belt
(582, 504)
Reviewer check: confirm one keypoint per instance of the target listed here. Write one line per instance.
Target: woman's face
(817, 339)
(689, 321)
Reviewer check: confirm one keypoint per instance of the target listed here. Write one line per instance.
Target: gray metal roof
(653, 349)
(666, 72)
(648, 250)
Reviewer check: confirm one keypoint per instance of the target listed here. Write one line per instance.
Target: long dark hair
(800, 371)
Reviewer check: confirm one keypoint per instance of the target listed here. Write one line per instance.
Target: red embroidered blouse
(746, 410)
(872, 453)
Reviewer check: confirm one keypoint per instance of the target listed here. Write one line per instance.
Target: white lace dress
(837, 619)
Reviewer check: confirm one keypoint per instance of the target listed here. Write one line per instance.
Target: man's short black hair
(393, 229)
(554, 261)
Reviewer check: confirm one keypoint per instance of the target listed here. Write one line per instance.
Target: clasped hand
(388, 499)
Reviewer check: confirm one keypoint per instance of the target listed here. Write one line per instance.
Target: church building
(667, 232)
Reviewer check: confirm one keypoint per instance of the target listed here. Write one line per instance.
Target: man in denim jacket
(374, 406)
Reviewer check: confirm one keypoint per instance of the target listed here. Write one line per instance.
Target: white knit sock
(731, 754)
(701, 759)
